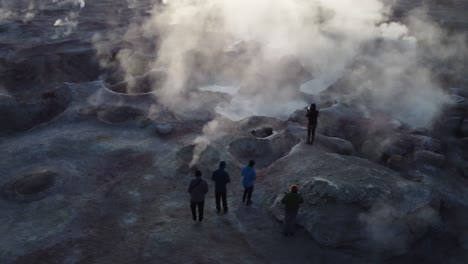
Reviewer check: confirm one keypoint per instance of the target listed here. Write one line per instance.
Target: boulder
(354, 203)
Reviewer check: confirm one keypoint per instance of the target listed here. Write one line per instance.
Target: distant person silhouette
(248, 178)
(312, 115)
(197, 189)
(291, 200)
(221, 178)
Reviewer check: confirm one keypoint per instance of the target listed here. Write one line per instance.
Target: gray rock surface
(351, 199)
(85, 179)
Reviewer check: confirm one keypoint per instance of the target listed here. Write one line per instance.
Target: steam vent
(233, 131)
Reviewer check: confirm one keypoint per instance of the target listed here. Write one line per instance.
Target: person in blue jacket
(248, 178)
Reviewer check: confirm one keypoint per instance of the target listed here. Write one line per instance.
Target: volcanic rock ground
(89, 174)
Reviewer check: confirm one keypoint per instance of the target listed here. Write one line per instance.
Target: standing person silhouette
(221, 178)
(248, 178)
(197, 189)
(291, 200)
(312, 115)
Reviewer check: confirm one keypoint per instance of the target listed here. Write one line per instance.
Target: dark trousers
(311, 132)
(193, 206)
(219, 196)
(247, 193)
(289, 221)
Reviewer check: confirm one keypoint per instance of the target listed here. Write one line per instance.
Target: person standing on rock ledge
(312, 115)
(197, 189)
(221, 178)
(248, 178)
(291, 200)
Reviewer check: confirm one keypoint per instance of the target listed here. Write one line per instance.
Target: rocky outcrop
(354, 203)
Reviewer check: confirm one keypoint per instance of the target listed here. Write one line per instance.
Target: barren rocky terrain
(95, 159)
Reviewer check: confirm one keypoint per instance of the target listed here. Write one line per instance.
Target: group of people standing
(198, 188)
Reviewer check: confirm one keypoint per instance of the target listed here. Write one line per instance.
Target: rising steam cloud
(66, 25)
(269, 48)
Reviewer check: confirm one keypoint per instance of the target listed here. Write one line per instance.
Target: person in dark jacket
(221, 178)
(291, 201)
(248, 178)
(312, 115)
(197, 189)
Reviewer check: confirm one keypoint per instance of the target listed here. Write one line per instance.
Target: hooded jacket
(221, 178)
(292, 200)
(312, 116)
(197, 189)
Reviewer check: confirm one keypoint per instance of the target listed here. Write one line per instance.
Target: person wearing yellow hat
(291, 200)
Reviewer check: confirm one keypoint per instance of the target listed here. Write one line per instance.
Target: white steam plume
(265, 47)
(66, 25)
(211, 131)
(392, 229)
